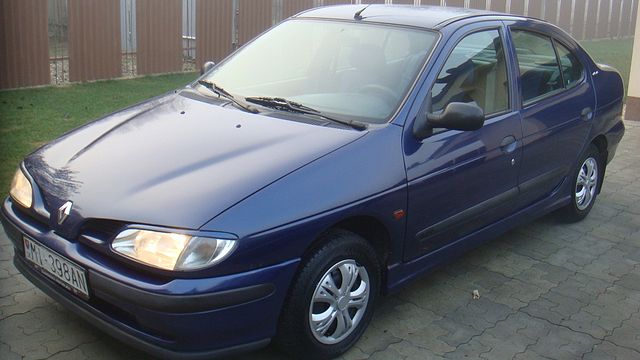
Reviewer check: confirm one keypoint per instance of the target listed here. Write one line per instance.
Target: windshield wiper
(282, 104)
(224, 93)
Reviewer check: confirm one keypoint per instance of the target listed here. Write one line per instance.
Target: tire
(341, 253)
(585, 180)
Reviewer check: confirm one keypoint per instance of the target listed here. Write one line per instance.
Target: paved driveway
(547, 290)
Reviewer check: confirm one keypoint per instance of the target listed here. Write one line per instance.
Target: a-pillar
(633, 98)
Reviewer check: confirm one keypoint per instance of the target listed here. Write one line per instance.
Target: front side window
(539, 70)
(354, 71)
(475, 72)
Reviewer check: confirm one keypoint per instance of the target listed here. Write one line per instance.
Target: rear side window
(571, 68)
(539, 70)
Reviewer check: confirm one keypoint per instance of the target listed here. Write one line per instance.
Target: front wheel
(586, 180)
(331, 300)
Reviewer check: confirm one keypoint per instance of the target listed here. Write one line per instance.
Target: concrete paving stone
(591, 244)
(609, 351)
(74, 354)
(530, 355)
(471, 350)
(354, 354)
(610, 266)
(628, 334)
(582, 287)
(456, 333)
(569, 258)
(408, 322)
(512, 336)
(13, 284)
(22, 302)
(480, 314)
(480, 279)
(602, 211)
(546, 308)
(405, 319)
(554, 274)
(7, 270)
(530, 327)
(533, 247)
(430, 337)
(7, 354)
(6, 252)
(562, 343)
(613, 232)
(544, 276)
(439, 299)
(630, 281)
(376, 340)
(510, 264)
(387, 354)
(587, 322)
(627, 220)
(504, 348)
(632, 251)
(409, 351)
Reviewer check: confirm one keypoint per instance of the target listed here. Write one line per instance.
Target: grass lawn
(32, 117)
(616, 53)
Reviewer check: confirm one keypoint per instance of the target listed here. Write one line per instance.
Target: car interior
(480, 79)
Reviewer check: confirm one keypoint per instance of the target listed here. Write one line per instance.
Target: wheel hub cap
(339, 302)
(342, 303)
(587, 183)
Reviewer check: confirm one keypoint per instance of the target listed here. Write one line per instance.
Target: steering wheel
(382, 92)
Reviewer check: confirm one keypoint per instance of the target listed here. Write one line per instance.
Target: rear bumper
(184, 318)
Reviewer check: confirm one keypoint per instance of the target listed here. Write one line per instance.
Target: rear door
(557, 102)
(460, 181)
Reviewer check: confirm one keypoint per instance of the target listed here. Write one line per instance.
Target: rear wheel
(332, 298)
(586, 180)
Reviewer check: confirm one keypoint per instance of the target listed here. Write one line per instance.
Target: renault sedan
(330, 161)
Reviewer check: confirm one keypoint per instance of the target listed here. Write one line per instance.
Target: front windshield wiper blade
(224, 93)
(282, 104)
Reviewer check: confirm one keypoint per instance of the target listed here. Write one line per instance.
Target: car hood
(173, 161)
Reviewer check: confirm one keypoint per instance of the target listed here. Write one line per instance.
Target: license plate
(60, 269)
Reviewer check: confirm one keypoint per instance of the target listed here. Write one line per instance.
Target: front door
(461, 181)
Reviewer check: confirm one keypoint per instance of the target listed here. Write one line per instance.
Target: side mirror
(456, 116)
(206, 67)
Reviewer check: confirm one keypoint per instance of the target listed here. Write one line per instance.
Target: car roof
(430, 17)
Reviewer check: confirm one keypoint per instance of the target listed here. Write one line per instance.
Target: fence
(57, 41)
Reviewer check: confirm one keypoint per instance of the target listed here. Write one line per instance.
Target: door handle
(586, 114)
(509, 144)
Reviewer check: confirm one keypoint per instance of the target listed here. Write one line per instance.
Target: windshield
(353, 71)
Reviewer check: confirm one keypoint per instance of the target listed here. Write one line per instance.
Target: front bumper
(183, 318)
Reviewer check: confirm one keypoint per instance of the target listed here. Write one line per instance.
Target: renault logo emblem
(64, 211)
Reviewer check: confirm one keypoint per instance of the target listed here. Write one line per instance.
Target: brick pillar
(633, 98)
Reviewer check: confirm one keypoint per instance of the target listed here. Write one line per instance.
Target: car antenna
(358, 15)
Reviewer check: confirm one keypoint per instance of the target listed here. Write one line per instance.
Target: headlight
(21, 190)
(172, 251)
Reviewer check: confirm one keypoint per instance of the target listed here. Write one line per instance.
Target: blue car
(330, 161)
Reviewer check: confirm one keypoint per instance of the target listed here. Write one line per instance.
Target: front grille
(28, 217)
(96, 233)
(101, 228)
